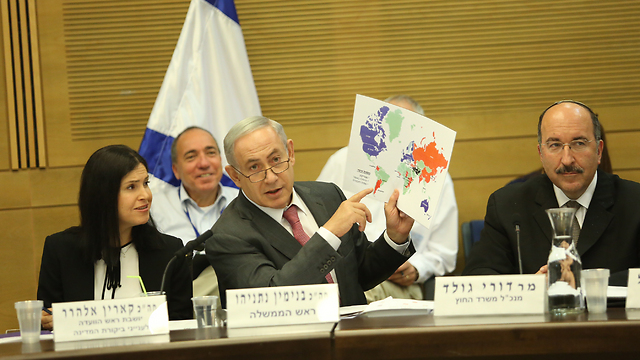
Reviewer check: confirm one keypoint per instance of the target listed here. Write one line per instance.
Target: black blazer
(66, 276)
(249, 249)
(609, 238)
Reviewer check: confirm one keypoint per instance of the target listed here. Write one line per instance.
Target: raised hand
(350, 212)
(399, 224)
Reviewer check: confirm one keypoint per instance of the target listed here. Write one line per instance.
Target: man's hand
(47, 320)
(350, 212)
(405, 275)
(542, 270)
(398, 223)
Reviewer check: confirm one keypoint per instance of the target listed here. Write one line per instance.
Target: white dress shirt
(176, 214)
(584, 200)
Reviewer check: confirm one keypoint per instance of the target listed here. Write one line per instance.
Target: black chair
(470, 234)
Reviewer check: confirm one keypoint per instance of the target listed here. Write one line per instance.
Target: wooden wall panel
(15, 194)
(47, 221)
(102, 66)
(5, 157)
(53, 187)
(18, 276)
(483, 68)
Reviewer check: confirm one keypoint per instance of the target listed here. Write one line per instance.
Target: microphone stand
(184, 251)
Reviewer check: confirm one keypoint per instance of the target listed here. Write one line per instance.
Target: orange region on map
(431, 158)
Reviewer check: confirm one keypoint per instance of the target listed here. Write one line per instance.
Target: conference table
(614, 335)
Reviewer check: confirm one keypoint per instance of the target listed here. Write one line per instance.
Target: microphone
(187, 249)
(194, 244)
(516, 224)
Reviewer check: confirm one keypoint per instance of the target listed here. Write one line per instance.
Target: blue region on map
(372, 134)
(407, 154)
(425, 205)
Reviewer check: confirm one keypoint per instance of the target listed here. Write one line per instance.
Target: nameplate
(283, 305)
(633, 289)
(101, 319)
(490, 295)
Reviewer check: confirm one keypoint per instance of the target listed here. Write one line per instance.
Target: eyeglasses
(262, 174)
(577, 146)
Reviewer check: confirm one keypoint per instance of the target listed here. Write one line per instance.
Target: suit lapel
(272, 231)
(545, 199)
(598, 215)
(315, 204)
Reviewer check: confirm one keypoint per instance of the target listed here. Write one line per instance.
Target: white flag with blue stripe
(208, 84)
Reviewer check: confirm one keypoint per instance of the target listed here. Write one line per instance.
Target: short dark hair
(597, 129)
(174, 144)
(98, 202)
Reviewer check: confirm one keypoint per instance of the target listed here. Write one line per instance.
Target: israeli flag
(208, 84)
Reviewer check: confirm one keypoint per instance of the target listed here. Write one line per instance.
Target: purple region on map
(425, 205)
(372, 133)
(407, 153)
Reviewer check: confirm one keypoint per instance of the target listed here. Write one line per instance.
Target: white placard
(86, 320)
(283, 305)
(490, 295)
(633, 289)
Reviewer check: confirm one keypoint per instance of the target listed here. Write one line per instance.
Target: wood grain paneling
(4, 100)
(15, 194)
(18, 279)
(50, 220)
(52, 187)
(486, 69)
(102, 68)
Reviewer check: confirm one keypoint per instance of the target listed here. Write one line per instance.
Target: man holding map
(436, 246)
(277, 232)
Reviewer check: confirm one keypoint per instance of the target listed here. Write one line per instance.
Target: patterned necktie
(576, 225)
(291, 215)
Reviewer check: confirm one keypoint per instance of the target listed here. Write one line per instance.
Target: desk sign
(633, 289)
(283, 305)
(102, 319)
(490, 295)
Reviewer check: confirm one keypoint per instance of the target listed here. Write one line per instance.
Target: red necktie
(291, 215)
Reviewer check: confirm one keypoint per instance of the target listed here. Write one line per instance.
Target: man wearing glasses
(570, 148)
(278, 233)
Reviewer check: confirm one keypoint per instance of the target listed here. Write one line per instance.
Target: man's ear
(600, 150)
(233, 174)
(292, 155)
(175, 171)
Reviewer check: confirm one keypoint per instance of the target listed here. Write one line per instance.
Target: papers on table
(388, 307)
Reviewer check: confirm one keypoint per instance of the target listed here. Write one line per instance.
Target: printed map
(391, 147)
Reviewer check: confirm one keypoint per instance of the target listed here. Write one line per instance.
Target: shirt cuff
(401, 248)
(329, 237)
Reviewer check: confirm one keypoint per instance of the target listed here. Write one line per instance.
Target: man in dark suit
(570, 148)
(257, 243)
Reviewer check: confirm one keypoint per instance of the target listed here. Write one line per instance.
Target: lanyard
(186, 212)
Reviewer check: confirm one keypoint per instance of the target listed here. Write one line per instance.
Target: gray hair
(597, 129)
(174, 145)
(414, 104)
(246, 127)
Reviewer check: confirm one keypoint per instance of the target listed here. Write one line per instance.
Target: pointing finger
(359, 196)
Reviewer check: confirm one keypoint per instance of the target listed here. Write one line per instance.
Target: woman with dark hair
(116, 239)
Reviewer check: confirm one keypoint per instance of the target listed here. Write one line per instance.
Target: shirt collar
(186, 199)
(584, 199)
(276, 214)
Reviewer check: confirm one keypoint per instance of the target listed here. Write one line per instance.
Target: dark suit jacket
(66, 276)
(609, 238)
(249, 249)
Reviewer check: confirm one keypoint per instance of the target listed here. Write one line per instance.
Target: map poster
(394, 148)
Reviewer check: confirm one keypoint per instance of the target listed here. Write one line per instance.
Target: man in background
(608, 208)
(436, 248)
(193, 207)
(279, 233)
